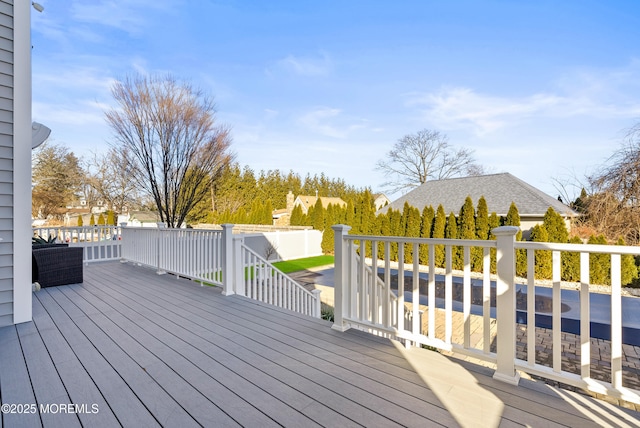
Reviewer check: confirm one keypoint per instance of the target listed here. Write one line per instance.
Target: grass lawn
(301, 264)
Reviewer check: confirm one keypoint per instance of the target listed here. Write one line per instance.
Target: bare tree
(425, 155)
(569, 186)
(270, 249)
(613, 207)
(167, 129)
(110, 177)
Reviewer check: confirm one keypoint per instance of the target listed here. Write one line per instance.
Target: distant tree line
(241, 196)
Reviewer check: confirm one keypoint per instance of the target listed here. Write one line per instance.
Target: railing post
(317, 309)
(238, 278)
(161, 226)
(227, 260)
(123, 242)
(340, 275)
(506, 305)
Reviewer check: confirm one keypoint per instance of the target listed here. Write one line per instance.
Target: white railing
(191, 253)
(100, 243)
(359, 304)
(381, 307)
(258, 279)
(217, 257)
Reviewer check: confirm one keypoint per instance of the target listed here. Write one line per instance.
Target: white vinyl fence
(285, 245)
(365, 301)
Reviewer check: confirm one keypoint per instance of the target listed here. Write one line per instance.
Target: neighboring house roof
(309, 201)
(279, 213)
(144, 216)
(380, 200)
(76, 211)
(499, 190)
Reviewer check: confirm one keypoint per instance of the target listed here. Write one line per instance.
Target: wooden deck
(131, 348)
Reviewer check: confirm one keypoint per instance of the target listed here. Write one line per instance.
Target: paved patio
(131, 348)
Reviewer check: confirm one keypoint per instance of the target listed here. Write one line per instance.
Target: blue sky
(541, 89)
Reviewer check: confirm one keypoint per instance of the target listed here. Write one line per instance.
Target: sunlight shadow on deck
(457, 389)
(602, 413)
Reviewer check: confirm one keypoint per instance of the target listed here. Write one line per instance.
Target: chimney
(289, 201)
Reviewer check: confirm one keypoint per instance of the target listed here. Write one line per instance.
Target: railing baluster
(375, 290)
(386, 302)
(400, 303)
(616, 322)
(415, 297)
(556, 313)
(448, 296)
(363, 300)
(585, 317)
(466, 299)
(353, 287)
(486, 300)
(432, 292)
(252, 276)
(531, 308)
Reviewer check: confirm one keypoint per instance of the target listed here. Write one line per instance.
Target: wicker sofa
(56, 264)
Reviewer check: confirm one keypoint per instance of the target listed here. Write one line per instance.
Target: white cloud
(330, 122)
(127, 15)
(307, 66)
(80, 113)
(270, 113)
(484, 113)
(599, 94)
(72, 78)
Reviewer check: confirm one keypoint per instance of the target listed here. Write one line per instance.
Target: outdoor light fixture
(39, 133)
(37, 6)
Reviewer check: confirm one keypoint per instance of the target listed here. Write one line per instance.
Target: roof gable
(499, 190)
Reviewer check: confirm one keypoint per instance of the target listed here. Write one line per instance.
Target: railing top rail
(95, 226)
(578, 248)
(172, 230)
(432, 241)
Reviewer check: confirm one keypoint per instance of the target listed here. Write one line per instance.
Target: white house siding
(6, 162)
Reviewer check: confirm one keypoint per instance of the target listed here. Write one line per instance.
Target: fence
(99, 242)
(366, 301)
(285, 245)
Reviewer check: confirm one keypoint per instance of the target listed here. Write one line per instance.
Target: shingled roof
(499, 190)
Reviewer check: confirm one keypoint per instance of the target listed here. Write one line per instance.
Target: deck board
(225, 353)
(155, 350)
(284, 365)
(281, 367)
(47, 385)
(163, 344)
(15, 385)
(78, 383)
(121, 399)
